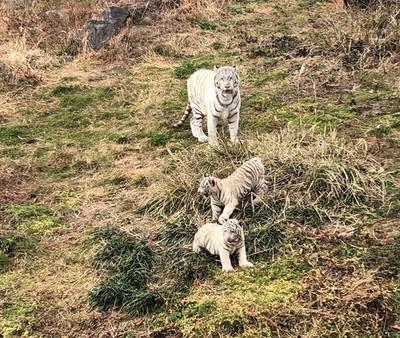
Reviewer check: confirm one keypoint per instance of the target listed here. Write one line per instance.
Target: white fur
(207, 99)
(214, 238)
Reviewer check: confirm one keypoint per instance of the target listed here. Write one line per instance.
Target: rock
(116, 16)
(97, 33)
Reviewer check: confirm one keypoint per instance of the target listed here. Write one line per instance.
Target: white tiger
(213, 94)
(227, 193)
(224, 241)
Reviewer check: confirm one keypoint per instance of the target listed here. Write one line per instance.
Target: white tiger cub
(228, 192)
(223, 240)
(213, 94)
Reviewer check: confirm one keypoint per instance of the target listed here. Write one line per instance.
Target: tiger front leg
(233, 122)
(216, 209)
(196, 247)
(228, 211)
(243, 262)
(225, 260)
(212, 123)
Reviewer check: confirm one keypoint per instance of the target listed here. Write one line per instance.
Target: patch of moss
(73, 102)
(113, 114)
(373, 81)
(34, 219)
(18, 319)
(230, 303)
(325, 116)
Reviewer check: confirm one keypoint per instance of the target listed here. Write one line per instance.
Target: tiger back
(227, 193)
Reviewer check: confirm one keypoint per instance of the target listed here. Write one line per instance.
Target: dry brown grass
(171, 28)
(364, 38)
(21, 65)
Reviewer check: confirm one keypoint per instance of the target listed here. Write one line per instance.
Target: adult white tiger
(224, 241)
(228, 192)
(213, 94)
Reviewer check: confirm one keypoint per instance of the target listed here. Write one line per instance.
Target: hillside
(98, 192)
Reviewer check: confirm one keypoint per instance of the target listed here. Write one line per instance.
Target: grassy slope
(91, 143)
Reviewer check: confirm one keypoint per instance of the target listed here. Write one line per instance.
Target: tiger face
(226, 80)
(232, 231)
(207, 185)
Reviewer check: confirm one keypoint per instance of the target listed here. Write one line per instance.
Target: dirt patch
(15, 184)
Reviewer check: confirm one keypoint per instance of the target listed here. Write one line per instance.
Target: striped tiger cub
(213, 94)
(223, 240)
(228, 192)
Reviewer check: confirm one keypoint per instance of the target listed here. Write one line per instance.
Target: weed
(235, 10)
(157, 139)
(162, 50)
(207, 25)
(15, 135)
(119, 180)
(12, 245)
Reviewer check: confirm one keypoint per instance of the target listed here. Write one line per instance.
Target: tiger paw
(203, 138)
(246, 264)
(222, 219)
(213, 143)
(196, 248)
(227, 269)
(235, 140)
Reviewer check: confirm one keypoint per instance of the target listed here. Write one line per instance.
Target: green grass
(18, 319)
(238, 299)
(17, 135)
(190, 65)
(33, 219)
(11, 246)
(129, 260)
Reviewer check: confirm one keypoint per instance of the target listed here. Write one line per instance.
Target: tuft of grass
(190, 65)
(158, 138)
(11, 246)
(129, 261)
(363, 38)
(314, 178)
(207, 25)
(16, 135)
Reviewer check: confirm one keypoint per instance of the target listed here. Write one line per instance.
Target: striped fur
(224, 241)
(214, 95)
(228, 192)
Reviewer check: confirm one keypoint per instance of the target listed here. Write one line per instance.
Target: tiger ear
(216, 67)
(213, 182)
(234, 67)
(241, 223)
(205, 175)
